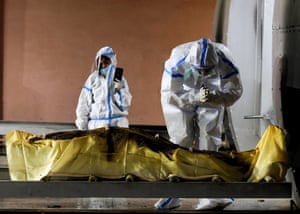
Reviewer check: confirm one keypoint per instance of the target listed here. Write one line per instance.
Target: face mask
(104, 70)
(190, 71)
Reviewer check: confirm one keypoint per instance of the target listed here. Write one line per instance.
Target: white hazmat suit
(101, 103)
(199, 82)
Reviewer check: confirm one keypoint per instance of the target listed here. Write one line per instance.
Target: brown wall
(49, 47)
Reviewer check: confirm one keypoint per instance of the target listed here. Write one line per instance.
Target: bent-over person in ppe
(199, 82)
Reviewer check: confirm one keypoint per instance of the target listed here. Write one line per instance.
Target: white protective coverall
(192, 123)
(100, 103)
(185, 116)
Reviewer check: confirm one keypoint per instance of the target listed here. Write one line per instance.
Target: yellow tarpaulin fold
(116, 152)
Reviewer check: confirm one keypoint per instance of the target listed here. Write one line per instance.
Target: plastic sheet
(115, 153)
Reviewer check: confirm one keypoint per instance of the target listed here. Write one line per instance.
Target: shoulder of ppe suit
(177, 57)
(91, 78)
(221, 48)
(181, 50)
(93, 75)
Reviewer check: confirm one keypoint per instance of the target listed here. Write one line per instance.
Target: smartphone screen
(118, 74)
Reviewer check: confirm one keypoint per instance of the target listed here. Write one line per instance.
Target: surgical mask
(191, 71)
(104, 71)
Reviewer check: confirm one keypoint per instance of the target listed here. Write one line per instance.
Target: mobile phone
(118, 74)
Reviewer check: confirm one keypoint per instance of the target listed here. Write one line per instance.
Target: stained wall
(49, 47)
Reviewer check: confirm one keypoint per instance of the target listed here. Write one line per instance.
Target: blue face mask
(104, 70)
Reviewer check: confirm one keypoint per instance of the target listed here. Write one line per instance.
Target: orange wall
(49, 47)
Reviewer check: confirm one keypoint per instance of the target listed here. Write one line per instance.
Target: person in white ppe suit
(200, 81)
(103, 101)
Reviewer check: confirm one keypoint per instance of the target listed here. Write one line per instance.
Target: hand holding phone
(118, 74)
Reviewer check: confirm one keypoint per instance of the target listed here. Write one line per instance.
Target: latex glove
(81, 125)
(118, 85)
(202, 96)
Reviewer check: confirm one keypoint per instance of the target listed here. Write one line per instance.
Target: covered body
(117, 152)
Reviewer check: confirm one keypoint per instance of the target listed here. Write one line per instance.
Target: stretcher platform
(66, 189)
(134, 196)
(137, 189)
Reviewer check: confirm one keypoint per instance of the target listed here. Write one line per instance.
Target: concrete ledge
(66, 189)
